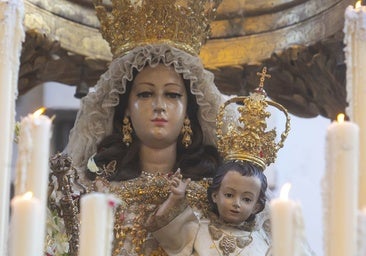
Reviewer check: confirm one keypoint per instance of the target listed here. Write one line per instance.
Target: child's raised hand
(178, 185)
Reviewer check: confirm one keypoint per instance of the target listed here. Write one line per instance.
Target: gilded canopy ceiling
(299, 41)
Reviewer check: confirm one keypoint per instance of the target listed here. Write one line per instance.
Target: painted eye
(174, 95)
(144, 94)
(228, 195)
(246, 199)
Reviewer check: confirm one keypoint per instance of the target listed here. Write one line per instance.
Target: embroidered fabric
(156, 222)
(228, 243)
(140, 197)
(94, 120)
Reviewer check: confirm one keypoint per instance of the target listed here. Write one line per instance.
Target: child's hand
(177, 194)
(178, 185)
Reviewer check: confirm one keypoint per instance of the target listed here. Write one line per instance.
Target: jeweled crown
(243, 136)
(184, 24)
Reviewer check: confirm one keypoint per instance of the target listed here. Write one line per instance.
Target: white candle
(25, 235)
(299, 240)
(33, 155)
(11, 37)
(355, 53)
(32, 162)
(361, 232)
(340, 189)
(282, 216)
(97, 220)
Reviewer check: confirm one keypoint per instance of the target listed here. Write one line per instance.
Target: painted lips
(159, 121)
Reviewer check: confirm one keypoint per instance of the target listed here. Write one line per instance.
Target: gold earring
(187, 132)
(127, 131)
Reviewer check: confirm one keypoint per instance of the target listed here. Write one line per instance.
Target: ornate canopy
(299, 41)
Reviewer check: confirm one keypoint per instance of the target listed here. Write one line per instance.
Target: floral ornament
(106, 170)
(56, 237)
(114, 201)
(92, 166)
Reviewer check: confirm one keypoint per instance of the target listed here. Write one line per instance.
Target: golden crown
(245, 137)
(184, 24)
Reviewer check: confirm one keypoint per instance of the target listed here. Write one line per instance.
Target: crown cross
(263, 75)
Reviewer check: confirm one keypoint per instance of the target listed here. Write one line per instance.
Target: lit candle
(25, 235)
(32, 162)
(282, 216)
(355, 53)
(97, 219)
(11, 36)
(33, 154)
(340, 191)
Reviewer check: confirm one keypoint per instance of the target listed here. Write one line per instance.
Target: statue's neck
(155, 160)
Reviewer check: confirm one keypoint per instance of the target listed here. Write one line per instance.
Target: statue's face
(237, 197)
(157, 106)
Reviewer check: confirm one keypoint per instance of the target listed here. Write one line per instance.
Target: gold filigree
(246, 138)
(180, 23)
(141, 196)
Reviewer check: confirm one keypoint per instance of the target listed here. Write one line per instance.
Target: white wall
(302, 163)
(49, 95)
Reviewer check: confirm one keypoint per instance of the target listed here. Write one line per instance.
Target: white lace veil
(94, 120)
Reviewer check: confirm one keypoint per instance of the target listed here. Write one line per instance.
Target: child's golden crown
(183, 24)
(245, 137)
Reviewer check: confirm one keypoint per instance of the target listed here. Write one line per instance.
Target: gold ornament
(245, 138)
(187, 132)
(127, 131)
(228, 243)
(183, 24)
(144, 194)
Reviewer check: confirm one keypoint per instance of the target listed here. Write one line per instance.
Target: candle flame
(340, 118)
(28, 195)
(39, 112)
(358, 4)
(285, 190)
